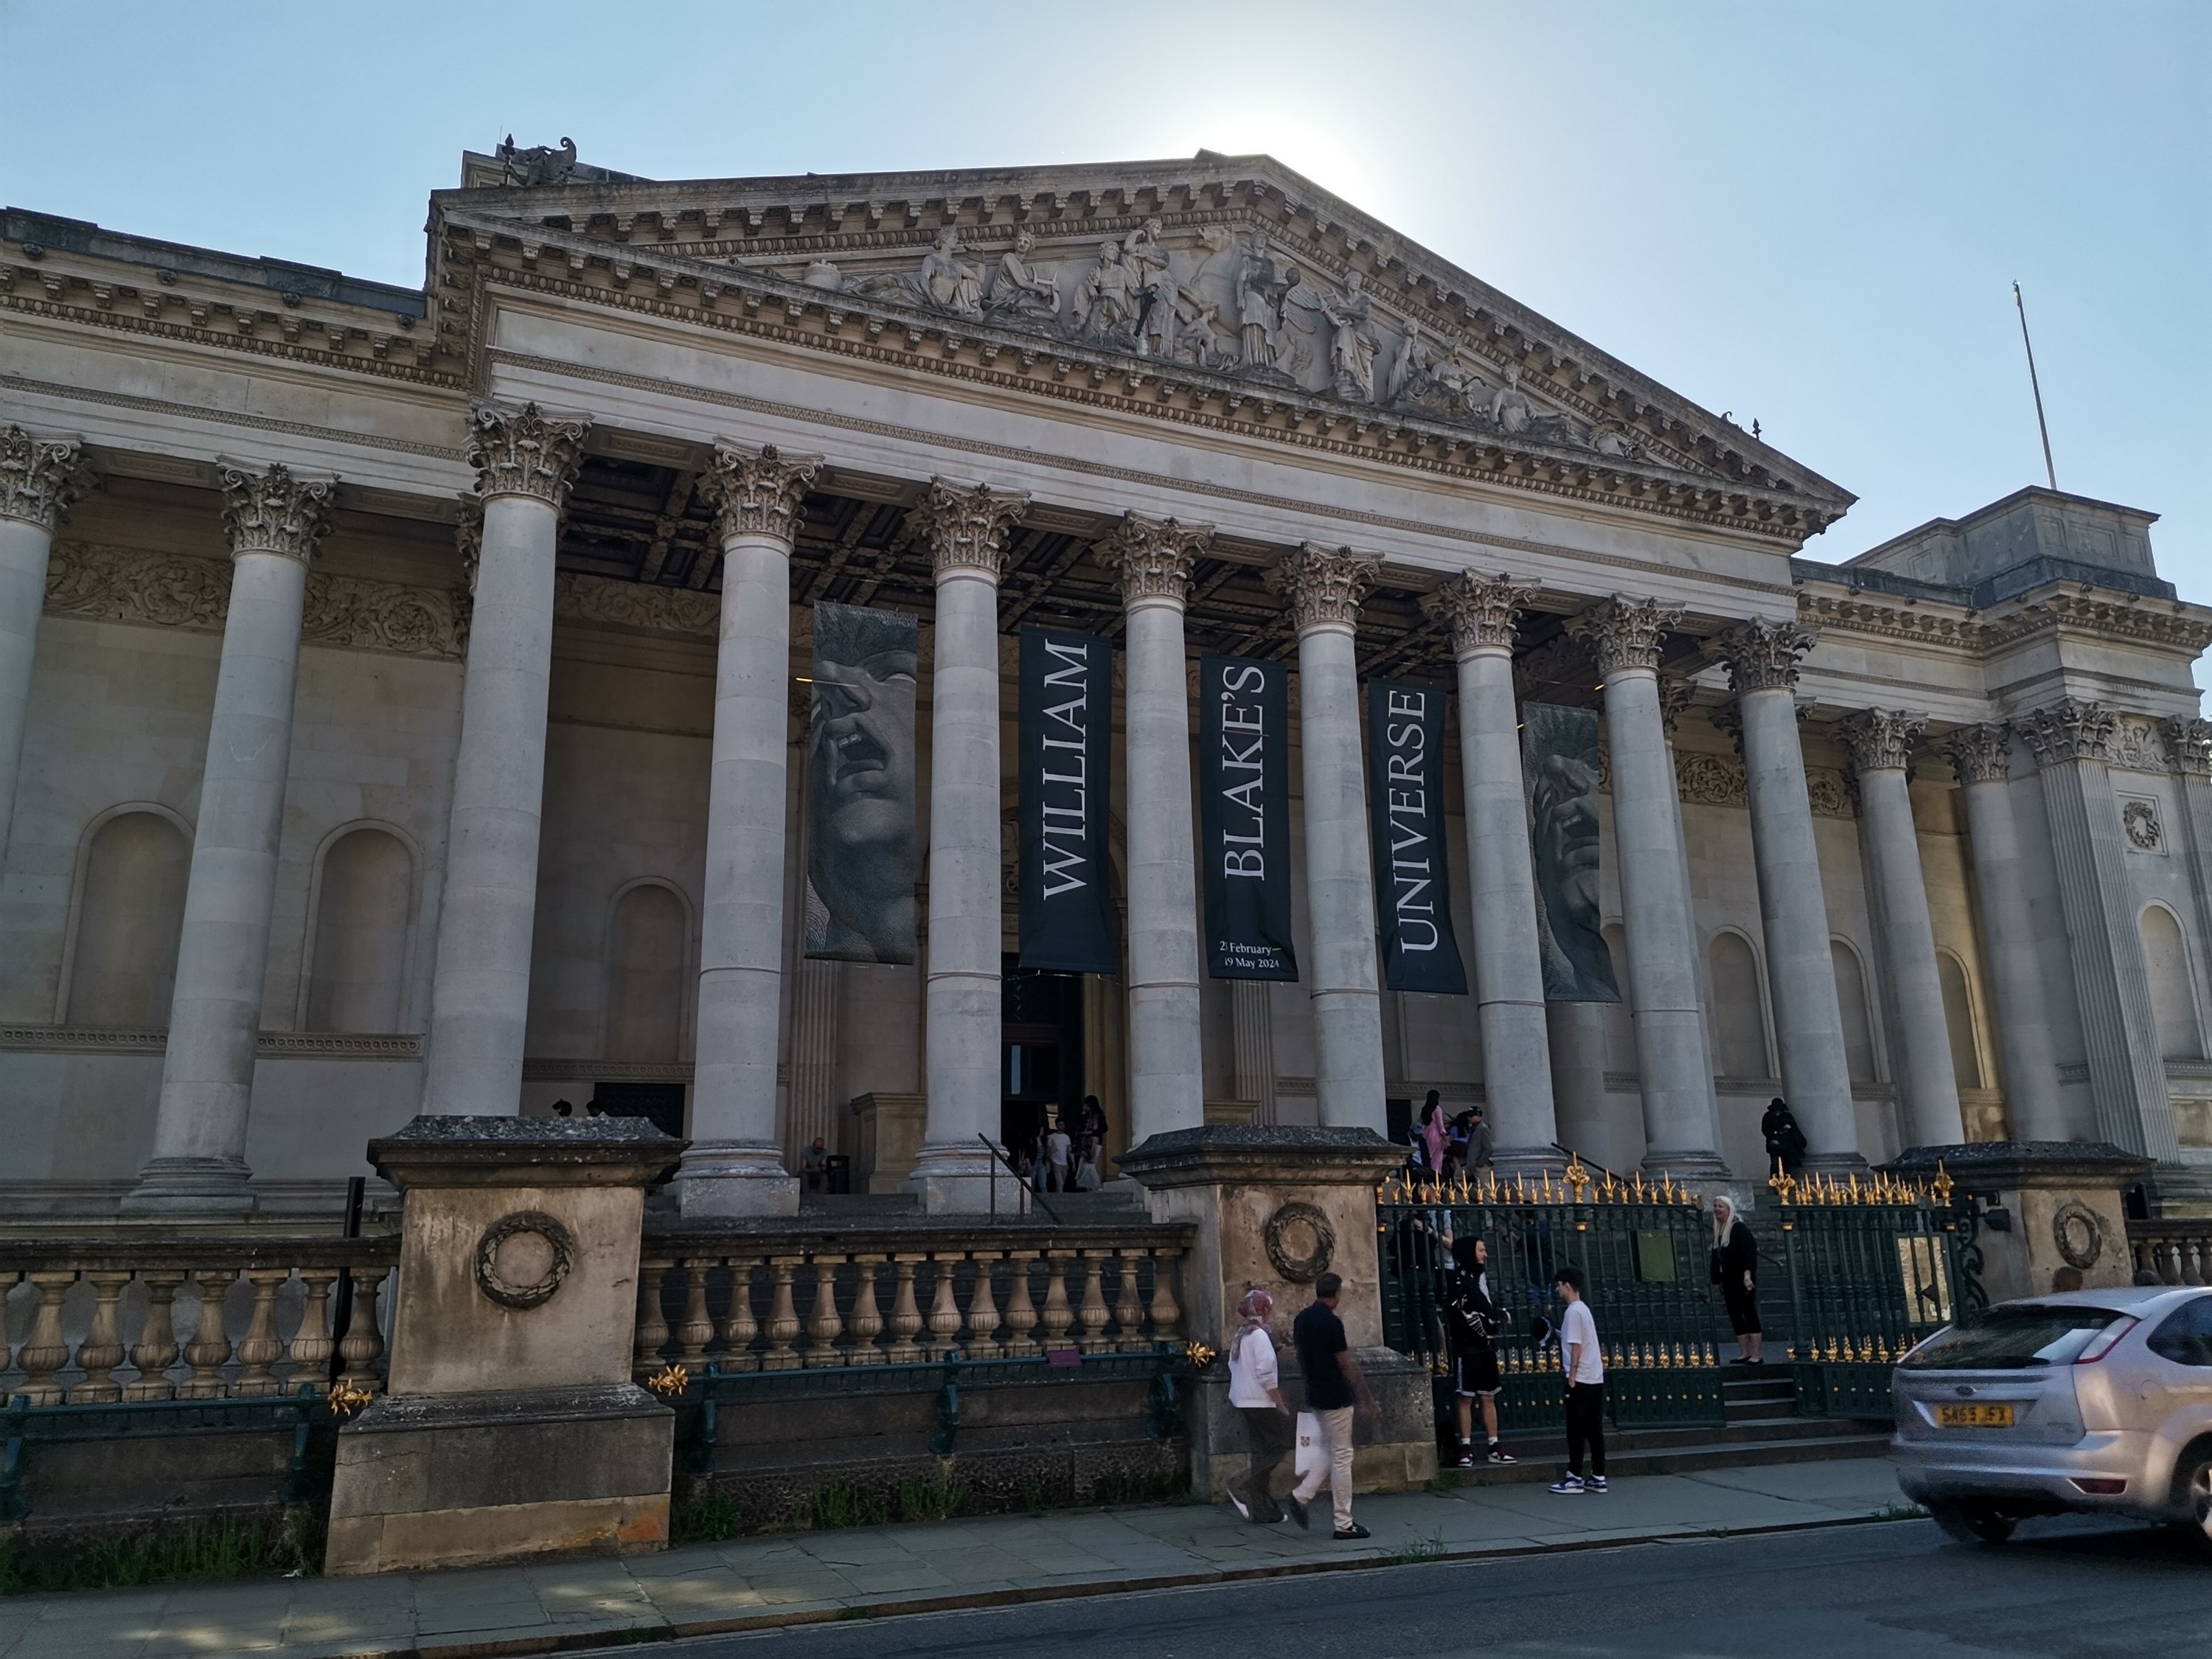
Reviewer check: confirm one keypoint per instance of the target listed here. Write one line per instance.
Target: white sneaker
(1597, 1483)
(1568, 1485)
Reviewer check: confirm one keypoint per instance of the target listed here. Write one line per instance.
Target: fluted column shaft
(275, 520)
(734, 1165)
(480, 993)
(1167, 1079)
(40, 477)
(1324, 587)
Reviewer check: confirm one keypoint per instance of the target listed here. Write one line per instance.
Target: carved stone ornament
(2069, 730)
(40, 477)
(2140, 819)
(1675, 691)
(586, 598)
(1980, 754)
(1324, 584)
(2189, 745)
(525, 451)
(757, 492)
(1763, 656)
(2136, 745)
(1830, 792)
(1882, 739)
(522, 1257)
(1704, 780)
(1154, 558)
(1482, 610)
(964, 525)
(1625, 634)
(2079, 1235)
(1300, 1241)
(274, 511)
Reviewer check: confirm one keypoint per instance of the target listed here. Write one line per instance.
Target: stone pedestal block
(2062, 1205)
(892, 1131)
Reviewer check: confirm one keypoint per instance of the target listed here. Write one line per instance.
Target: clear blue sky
(1806, 212)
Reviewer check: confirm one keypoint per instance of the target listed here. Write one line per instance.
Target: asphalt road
(1896, 1591)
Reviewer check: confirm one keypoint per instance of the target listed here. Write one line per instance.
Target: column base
(1689, 1167)
(191, 1186)
(953, 1181)
(1839, 1164)
(730, 1178)
(1527, 1160)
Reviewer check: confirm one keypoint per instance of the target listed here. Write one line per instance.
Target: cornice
(2099, 613)
(1891, 620)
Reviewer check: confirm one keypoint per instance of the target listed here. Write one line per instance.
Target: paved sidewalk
(800, 1577)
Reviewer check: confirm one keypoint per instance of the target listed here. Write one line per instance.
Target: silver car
(2096, 1401)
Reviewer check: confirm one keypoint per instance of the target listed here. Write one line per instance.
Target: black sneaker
(1298, 1511)
(1499, 1455)
(1352, 1533)
(1466, 1455)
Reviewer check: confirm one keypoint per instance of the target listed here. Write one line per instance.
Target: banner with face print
(860, 787)
(1413, 852)
(1068, 922)
(1559, 769)
(1244, 817)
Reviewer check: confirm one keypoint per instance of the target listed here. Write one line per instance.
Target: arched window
(1852, 1003)
(362, 912)
(2172, 995)
(124, 968)
(646, 961)
(1958, 1019)
(1619, 1024)
(1739, 1010)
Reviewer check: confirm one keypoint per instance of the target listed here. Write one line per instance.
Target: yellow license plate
(1973, 1417)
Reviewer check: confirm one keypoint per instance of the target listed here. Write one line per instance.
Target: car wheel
(2197, 1485)
(1973, 1523)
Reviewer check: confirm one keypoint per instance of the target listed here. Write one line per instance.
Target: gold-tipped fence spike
(1942, 1184)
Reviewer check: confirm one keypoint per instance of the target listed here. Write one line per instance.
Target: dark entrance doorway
(660, 1103)
(1041, 1051)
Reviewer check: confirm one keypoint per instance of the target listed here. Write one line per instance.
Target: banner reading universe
(1244, 814)
(1066, 768)
(1413, 858)
(860, 787)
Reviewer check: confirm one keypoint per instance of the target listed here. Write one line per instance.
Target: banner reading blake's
(1066, 802)
(1244, 814)
(1405, 803)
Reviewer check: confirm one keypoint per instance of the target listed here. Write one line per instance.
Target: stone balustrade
(157, 1315)
(789, 1301)
(2179, 1251)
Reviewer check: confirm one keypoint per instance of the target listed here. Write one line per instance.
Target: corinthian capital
(1980, 754)
(525, 451)
(1481, 609)
(757, 492)
(1882, 739)
(40, 477)
(1324, 584)
(2189, 742)
(964, 525)
(1763, 656)
(2069, 730)
(1154, 558)
(1623, 633)
(274, 511)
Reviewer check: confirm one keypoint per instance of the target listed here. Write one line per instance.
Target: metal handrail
(999, 1152)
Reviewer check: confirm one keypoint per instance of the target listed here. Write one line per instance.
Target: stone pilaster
(40, 477)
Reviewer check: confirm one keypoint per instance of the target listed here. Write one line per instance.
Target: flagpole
(2036, 385)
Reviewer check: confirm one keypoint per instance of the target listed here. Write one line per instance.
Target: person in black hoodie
(1471, 1320)
(1786, 1141)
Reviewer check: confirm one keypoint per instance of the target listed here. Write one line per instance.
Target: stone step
(1540, 1458)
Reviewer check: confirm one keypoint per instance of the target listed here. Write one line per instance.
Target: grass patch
(941, 1497)
(1421, 1549)
(180, 1553)
(703, 1515)
(841, 1504)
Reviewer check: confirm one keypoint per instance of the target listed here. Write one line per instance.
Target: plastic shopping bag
(1312, 1453)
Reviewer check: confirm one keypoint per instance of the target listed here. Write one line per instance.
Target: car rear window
(2012, 1339)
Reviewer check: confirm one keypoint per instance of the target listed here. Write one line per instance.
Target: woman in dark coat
(1786, 1141)
(1735, 1270)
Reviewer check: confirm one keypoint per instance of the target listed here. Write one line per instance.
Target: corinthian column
(1762, 659)
(1681, 1119)
(480, 995)
(2073, 742)
(964, 526)
(275, 520)
(1324, 587)
(1981, 757)
(1509, 968)
(1882, 742)
(1167, 1083)
(734, 1165)
(40, 477)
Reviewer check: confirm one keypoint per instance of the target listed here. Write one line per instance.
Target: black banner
(1560, 772)
(1067, 762)
(860, 787)
(1244, 814)
(1413, 859)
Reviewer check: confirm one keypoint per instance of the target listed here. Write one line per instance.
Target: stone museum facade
(406, 699)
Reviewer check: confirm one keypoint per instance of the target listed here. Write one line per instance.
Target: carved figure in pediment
(1110, 294)
(824, 275)
(1199, 337)
(1511, 413)
(540, 165)
(1016, 287)
(1612, 440)
(1413, 370)
(1260, 288)
(1305, 314)
(1353, 344)
(1147, 259)
(951, 282)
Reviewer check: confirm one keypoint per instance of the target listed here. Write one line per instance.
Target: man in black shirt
(1333, 1387)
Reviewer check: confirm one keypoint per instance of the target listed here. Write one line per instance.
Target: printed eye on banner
(1413, 858)
(1244, 817)
(1066, 767)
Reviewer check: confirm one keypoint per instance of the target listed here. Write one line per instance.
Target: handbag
(1312, 1453)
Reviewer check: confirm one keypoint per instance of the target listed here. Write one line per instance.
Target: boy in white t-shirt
(1254, 1391)
(1584, 1367)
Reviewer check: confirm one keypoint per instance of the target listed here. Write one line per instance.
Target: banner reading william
(1413, 857)
(1066, 766)
(860, 787)
(1559, 769)
(1244, 817)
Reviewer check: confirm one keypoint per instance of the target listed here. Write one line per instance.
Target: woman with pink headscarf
(1256, 1392)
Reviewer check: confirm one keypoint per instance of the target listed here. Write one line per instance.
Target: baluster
(739, 1327)
(312, 1344)
(101, 1351)
(651, 1323)
(944, 1311)
(827, 1326)
(210, 1349)
(783, 1326)
(1021, 1313)
(868, 1321)
(906, 1318)
(1167, 1318)
(2197, 1264)
(363, 1345)
(1094, 1301)
(983, 1307)
(1128, 1312)
(1057, 1316)
(46, 1351)
(156, 1351)
(259, 1348)
(698, 1330)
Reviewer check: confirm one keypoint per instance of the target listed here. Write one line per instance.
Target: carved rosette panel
(2189, 745)
(1763, 656)
(2069, 730)
(1625, 634)
(40, 477)
(1153, 558)
(964, 525)
(1482, 610)
(757, 492)
(1324, 586)
(1882, 739)
(635, 604)
(1830, 793)
(373, 616)
(1980, 754)
(525, 451)
(275, 512)
(1704, 780)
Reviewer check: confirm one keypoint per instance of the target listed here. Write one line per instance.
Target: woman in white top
(1256, 1392)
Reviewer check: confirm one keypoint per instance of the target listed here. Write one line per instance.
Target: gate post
(2062, 1204)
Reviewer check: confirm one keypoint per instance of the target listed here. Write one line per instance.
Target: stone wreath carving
(2079, 1235)
(2140, 819)
(522, 1257)
(1300, 1227)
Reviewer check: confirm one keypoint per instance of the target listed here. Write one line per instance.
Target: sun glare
(1317, 153)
